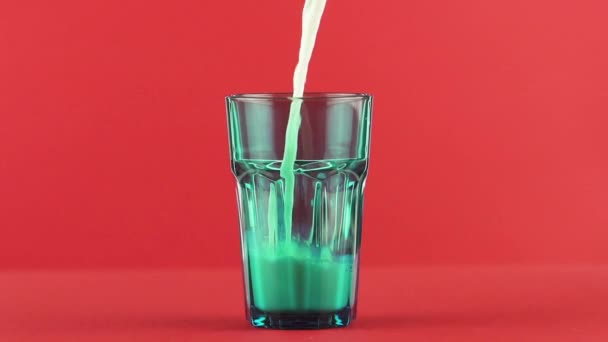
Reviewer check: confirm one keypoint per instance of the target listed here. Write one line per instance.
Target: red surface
(489, 137)
(416, 304)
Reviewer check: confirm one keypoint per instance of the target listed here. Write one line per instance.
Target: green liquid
(311, 266)
(299, 282)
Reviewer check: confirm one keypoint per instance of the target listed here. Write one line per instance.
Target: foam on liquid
(311, 18)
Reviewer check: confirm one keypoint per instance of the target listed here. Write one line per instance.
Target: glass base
(304, 320)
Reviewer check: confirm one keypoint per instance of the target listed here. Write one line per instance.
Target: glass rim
(307, 96)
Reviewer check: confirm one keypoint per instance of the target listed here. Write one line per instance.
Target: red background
(489, 136)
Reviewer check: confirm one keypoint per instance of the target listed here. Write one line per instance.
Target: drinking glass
(300, 266)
